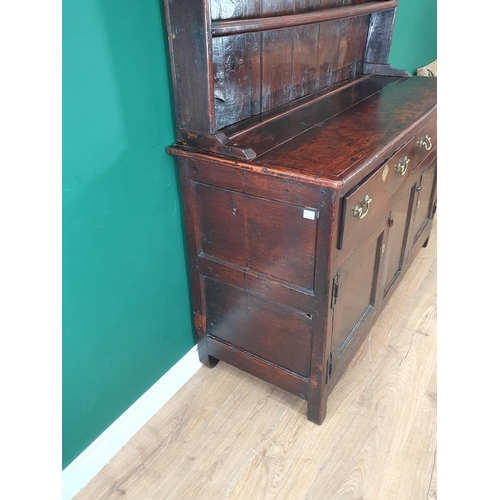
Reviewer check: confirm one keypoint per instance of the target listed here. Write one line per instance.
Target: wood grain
(226, 434)
(374, 122)
(236, 63)
(273, 21)
(295, 62)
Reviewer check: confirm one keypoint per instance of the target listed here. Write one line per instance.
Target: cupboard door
(393, 255)
(356, 285)
(424, 203)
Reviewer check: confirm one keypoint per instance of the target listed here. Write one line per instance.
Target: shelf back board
(236, 59)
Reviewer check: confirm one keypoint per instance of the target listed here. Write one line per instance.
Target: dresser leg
(205, 358)
(211, 361)
(200, 323)
(316, 409)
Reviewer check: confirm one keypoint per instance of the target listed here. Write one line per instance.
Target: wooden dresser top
(333, 140)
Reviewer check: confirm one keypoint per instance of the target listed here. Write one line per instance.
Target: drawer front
(424, 142)
(362, 206)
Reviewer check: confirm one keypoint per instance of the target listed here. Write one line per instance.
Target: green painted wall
(414, 42)
(126, 306)
(126, 317)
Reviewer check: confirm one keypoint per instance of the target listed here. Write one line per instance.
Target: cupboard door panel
(393, 256)
(358, 279)
(424, 201)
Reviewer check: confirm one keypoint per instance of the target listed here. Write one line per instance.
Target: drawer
(424, 142)
(365, 202)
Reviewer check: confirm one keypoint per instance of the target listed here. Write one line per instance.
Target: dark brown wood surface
(274, 16)
(341, 136)
(265, 236)
(237, 79)
(358, 287)
(265, 137)
(225, 71)
(423, 202)
(336, 148)
(259, 326)
(214, 172)
(282, 137)
(328, 52)
(189, 40)
(379, 187)
(257, 72)
(380, 36)
(425, 142)
(258, 367)
(397, 233)
(230, 9)
(278, 291)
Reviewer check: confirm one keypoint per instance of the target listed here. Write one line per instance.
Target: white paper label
(309, 214)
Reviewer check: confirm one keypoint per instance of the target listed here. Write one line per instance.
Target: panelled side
(260, 270)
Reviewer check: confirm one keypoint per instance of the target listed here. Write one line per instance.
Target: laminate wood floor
(226, 434)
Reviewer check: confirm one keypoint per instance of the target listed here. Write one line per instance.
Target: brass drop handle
(426, 142)
(402, 166)
(361, 209)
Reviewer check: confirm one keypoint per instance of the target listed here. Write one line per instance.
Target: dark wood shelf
(236, 26)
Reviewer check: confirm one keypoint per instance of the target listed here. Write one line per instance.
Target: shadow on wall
(126, 311)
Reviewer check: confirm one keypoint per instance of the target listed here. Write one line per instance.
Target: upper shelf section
(234, 60)
(224, 27)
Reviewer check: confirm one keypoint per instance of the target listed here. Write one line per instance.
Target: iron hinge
(335, 291)
(329, 370)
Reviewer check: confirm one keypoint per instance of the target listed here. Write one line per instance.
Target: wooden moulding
(236, 26)
(258, 367)
(217, 143)
(384, 70)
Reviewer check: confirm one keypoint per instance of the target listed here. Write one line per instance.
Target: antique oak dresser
(308, 172)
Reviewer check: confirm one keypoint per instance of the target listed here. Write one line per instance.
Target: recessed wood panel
(261, 327)
(396, 238)
(358, 290)
(265, 236)
(423, 208)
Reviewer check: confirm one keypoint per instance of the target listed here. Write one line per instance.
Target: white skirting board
(79, 472)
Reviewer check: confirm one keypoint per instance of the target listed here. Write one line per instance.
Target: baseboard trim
(79, 472)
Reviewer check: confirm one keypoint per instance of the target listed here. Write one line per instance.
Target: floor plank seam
(408, 351)
(432, 473)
